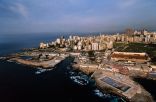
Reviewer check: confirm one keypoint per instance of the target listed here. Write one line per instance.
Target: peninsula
(111, 60)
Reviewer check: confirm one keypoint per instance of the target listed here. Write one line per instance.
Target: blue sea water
(19, 83)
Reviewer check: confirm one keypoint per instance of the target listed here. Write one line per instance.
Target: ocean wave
(41, 70)
(100, 94)
(11, 61)
(112, 98)
(78, 77)
(79, 80)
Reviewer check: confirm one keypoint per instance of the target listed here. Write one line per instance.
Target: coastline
(141, 95)
(51, 54)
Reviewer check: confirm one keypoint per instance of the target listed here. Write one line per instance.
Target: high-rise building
(58, 41)
(110, 45)
(43, 45)
(95, 46)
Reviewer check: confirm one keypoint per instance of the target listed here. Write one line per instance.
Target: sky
(30, 16)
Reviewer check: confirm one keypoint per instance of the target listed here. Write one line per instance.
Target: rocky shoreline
(140, 96)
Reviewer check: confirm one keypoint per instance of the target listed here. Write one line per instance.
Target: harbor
(111, 69)
(46, 63)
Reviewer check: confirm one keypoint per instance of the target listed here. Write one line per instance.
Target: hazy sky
(18, 16)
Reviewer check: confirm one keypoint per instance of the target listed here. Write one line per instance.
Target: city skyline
(27, 16)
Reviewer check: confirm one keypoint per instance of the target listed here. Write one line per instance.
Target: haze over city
(77, 50)
(31, 16)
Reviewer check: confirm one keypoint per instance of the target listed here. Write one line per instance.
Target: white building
(70, 37)
(43, 45)
(58, 41)
(79, 47)
(75, 47)
(110, 45)
(95, 46)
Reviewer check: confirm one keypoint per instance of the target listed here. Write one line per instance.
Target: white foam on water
(98, 93)
(79, 80)
(41, 70)
(10, 61)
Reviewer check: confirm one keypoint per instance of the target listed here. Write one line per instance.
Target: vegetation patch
(137, 47)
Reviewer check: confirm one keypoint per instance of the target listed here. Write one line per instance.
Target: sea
(20, 83)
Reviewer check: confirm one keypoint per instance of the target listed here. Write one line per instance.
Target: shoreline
(104, 87)
(44, 64)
